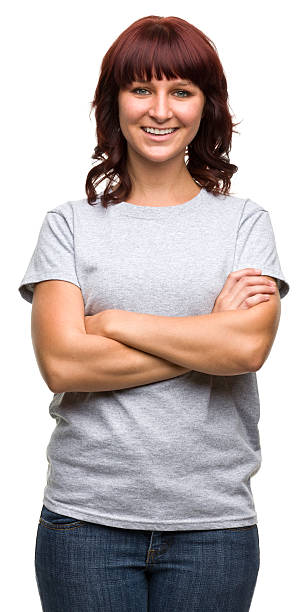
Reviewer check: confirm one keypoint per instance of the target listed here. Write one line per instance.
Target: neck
(160, 183)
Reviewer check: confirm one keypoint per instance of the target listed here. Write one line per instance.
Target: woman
(155, 305)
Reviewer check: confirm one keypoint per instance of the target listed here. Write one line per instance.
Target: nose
(160, 109)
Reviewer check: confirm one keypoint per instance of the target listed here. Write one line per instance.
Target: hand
(96, 324)
(242, 290)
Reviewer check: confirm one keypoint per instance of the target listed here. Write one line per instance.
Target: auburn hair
(153, 47)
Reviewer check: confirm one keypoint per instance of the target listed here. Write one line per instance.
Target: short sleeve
(256, 246)
(53, 257)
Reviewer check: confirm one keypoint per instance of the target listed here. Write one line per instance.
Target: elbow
(54, 387)
(54, 380)
(64, 377)
(255, 365)
(258, 357)
(50, 379)
(54, 384)
(49, 371)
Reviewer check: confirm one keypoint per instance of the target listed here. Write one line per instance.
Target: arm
(121, 366)
(215, 343)
(69, 359)
(103, 364)
(222, 343)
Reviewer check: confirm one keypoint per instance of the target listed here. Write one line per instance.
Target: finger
(248, 280)
(252, 289)
(246, 286)
(238, 297)
(255, 299)
(236, 275)
(238, 280)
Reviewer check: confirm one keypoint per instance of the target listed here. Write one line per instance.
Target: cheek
(189, 117)
(193, 117)
(132, 115)
(128, 111)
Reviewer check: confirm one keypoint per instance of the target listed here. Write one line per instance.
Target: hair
(149, 48)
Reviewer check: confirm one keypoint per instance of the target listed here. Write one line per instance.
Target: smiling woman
(151, 313)
(161, 73)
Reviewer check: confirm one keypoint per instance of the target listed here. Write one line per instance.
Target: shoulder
(237, 202)
(76, 211)
(71, 206)
(232, 208)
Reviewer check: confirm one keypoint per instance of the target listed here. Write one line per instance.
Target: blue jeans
(86, 567)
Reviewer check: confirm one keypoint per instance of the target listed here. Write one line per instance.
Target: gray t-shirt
(176, 454)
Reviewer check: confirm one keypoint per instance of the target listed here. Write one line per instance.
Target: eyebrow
(177, 83)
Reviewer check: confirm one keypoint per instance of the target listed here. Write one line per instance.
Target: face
(177, 103)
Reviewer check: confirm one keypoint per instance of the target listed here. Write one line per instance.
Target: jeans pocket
(53, 520)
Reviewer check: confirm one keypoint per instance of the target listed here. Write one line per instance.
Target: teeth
(155, 131)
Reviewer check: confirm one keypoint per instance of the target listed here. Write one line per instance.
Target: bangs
(161, 54)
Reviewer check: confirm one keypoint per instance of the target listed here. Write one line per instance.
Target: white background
(51, 56)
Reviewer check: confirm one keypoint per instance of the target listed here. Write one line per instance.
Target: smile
(156, 134)
(159, 130)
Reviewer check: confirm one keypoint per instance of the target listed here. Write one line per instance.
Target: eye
(177, 91)
(185, 92)
(138, 89)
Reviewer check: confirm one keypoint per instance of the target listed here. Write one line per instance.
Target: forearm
(97, 363)
(216, 343)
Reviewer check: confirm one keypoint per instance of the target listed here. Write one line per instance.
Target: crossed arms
(221, 343)
(128, 349)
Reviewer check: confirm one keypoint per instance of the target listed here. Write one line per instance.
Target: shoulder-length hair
(149, 48)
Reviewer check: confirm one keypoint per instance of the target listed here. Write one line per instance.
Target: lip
(159, 137)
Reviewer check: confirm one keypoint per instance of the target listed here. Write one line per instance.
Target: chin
(163, 157)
